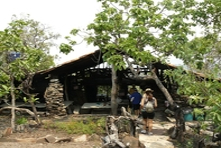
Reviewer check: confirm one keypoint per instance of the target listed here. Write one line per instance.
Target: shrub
(21, 120)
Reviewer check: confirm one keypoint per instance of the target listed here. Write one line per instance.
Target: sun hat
(148, 90)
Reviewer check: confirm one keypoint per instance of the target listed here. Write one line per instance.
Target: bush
(21, 120)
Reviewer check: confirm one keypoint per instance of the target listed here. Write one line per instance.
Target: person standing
(135, 99)
(148, 104)
(130, 92)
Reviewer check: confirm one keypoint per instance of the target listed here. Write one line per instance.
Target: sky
(61, 16)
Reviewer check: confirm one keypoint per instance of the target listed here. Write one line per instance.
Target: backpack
(149, 107)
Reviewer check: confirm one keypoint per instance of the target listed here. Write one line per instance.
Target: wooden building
(82, 77)
(88, 79)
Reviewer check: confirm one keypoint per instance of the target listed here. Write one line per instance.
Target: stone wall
(54, 98)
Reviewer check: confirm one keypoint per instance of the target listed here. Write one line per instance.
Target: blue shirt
(136, 97)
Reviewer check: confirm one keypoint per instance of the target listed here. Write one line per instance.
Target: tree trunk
(26, 87)
(156, 79)
(114, 104)
(12, 92)
(162, 88)
(35, 113)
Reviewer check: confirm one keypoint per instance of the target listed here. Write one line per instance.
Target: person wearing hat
(135, 99)
(148, 104)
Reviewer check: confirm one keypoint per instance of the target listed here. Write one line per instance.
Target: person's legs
(144, 115)
(144, 124)
(140, 113)
(150, 117)
(136, 112)
(150, 124)
(144, 131)
(136, 109)
(133, 109)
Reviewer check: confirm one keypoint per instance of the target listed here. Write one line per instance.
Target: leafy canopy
(139, 29)
(146, 31)
(29, 60)
(38, 36)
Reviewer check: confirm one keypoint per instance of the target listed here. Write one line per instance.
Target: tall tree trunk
(12, 92)
(162, 88)
(114, 104)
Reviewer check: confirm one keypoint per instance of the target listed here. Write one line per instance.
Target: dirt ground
(8, 142)
(11, 141)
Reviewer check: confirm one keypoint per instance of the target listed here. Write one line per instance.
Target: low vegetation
(21, 120)
(85, 126)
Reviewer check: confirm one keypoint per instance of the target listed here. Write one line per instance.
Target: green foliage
(65, 48)
(21, 120)
(37, 36)
(147, 31)
(4, 90)
(202, 89)
(135, 28)
(31, 99)
(28, 38)
(85, 126)
(31, 41)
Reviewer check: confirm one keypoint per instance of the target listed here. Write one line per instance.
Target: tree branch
(19, 109)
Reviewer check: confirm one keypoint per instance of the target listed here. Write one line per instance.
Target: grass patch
(85, 126)
(21, 120)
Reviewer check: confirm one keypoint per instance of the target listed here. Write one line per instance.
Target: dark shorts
(147, 115)
(136, 106)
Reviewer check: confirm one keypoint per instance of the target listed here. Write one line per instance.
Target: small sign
(13, 56)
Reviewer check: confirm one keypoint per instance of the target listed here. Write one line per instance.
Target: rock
(22, 128)
(46, 121)
(210, 133)
(32, 123)
(26, 140)
(50, 139)
(192, 124)
(188, 129)
(130, 141)
(211, 145)
(82, 138)
(94, 137)
(155, 141)
(64, 139)
(41, 140)
(159, 145)
(109, 138)
(7, 132)
(165, 126)
(173, 120)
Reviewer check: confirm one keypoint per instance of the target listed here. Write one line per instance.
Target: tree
(202, 57)
(16, 72)
(140, 32)
(39, 36)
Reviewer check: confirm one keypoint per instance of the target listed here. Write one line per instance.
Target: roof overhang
(86, 61)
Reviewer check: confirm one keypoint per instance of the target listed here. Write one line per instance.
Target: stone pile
(54, 98)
